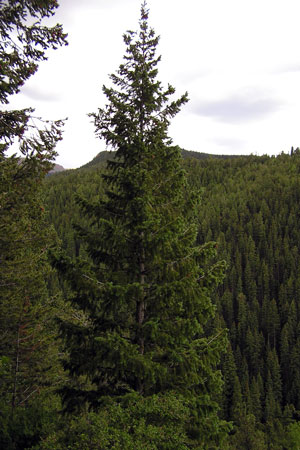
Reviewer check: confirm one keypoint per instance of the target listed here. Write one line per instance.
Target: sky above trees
(239, 62)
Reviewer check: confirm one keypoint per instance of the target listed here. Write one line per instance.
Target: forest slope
(250, 207)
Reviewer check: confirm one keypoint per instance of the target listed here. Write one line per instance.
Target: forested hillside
(150, 299)
(250, 207)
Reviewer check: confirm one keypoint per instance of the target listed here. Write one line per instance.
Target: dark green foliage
(28, 352)
(156, 422)
(248, 436)
(139, 338)
(145, 287)
(24, 40)
(26, 427)
(255, 218)
(26, 320)
(242, 204)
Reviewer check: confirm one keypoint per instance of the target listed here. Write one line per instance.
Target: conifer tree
(25, 237)
(27, 353)
(146, 292)
(230, 380)
(24, 41)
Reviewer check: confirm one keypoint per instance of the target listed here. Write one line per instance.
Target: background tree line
(130, 329)
(250, 207)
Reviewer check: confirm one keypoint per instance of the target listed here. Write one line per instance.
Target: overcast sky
(239, 60)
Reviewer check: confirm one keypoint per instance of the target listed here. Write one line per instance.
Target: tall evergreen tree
(26, 340)
(146, 292)
(24, 41)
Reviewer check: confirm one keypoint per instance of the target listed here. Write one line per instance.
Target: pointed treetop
(144, 11)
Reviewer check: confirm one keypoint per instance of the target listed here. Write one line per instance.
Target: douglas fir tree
(146, 290)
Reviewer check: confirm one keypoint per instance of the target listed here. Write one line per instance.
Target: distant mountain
(57, 168)
(100, 159)
(104, 156)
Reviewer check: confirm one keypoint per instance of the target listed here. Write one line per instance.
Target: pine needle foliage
(146, 291)
(23, 45)
(28, 355)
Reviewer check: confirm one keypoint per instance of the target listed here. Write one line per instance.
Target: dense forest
(250, 208)
(149, 299)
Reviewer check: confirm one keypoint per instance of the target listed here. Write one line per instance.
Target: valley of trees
(150, 299)
(250, 208)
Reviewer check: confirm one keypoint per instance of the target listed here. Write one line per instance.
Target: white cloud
(213, 49)
(242, 106)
